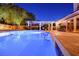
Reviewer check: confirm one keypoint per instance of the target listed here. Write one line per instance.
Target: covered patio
(69, 23)
(41, 25)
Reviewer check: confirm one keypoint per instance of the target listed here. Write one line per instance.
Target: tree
(31, 16)
(13, 14)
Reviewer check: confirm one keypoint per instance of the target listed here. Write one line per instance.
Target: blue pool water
(27, 43)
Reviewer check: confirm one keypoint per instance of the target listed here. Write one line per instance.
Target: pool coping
(63, 50)
(61, 47)
(6, 33)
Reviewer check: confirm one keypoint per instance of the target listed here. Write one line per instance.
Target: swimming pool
(27, 43)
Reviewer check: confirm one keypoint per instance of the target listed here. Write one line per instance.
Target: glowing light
(68, 21)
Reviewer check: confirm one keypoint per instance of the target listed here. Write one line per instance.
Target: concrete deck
(70, 41)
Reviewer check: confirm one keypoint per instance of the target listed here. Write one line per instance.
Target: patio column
(70, 25)
(66, 26)
(48, 26)
(51, 26)
(56, 26)
(40, 26)
(75, 24)
(28, 23)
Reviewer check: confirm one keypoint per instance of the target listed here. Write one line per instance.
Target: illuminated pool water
(26, 43)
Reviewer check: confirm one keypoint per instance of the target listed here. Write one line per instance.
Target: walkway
(70, 41)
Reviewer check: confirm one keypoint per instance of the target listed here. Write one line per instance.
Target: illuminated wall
(76, 6)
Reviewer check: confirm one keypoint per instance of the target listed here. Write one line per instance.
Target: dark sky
(48, 11)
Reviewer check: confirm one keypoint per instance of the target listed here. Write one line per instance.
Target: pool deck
(70, 41)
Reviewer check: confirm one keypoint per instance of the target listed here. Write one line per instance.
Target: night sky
(48, 11)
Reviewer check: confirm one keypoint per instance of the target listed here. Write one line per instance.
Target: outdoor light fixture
(68, 21)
